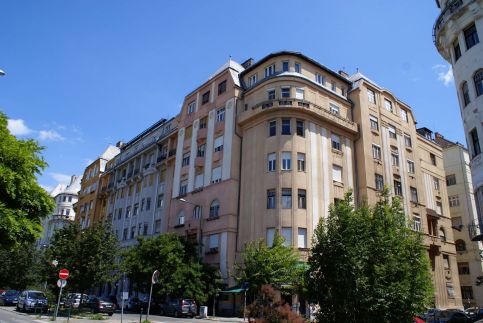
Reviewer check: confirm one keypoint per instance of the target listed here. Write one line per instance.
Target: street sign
(125, 295)
(61, 283)
(63, 274)
(55, 263)
(155, 278)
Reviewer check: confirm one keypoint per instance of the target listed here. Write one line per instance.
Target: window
(302, 238)
(270, 236)
(286, 160)
(454, 201)
(205, 98)
(191, 107)
(465, 94)
(397, 188)
(186, 159)
(222, 87)
(302, 199)
(183, 188)
(136, 209)
(392, 132)
(197, 212)
(201, 150)
(376, 152)
(388, 105)
(371, 96)
(475, 143)
(439, 208)
(333, 86)
(148, 204)
(335, 141)
(414, 194)
(214, 209)
(286, 198)
(199, 181)
(442, 236)
(460, 245)
(451, 179)
(300, 128)
(286, 127)
(216, 175)
(287, 235)
(466, 293)
(133, 232)
(417, 223)
(220, 115)
(218, 146)
(299, 93)
(285, 66)
(157, 226)
(271, 200)
(411, 168)
(272, 160)
(203, 123)
(334, 109)
(70, 198)
(449, 290)
(160, 200)
(270, 70)
(145, 229)
(181, 218)
(142, 204)
(404, 115)
(436, 183)
(395, 158)
(124, 234)
(285, 92)
(319, 79)
(456, 50)
(301, 162)
(271, 94)
(272, 128)
(471, 36)
(337, 173)
(298, 68)
(252, 80)
(407, 140)
(379, 182)
(478, 79)
(432, 157)
(213, 241)
(374, 123)
(119, 214)
(446, 263)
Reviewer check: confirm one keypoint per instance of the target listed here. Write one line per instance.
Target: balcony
(202, 133)
(219, 127)
(161, 157)
(199, 161)
(451, 9)
(304, 106)
(171, 153)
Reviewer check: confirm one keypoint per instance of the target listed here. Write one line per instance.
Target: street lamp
(200, 235)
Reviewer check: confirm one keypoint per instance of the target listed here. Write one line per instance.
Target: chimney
(438, 135)
(246, 64)
(120, 144)
(344, 74)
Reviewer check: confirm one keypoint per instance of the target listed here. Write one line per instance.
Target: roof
(300, 55)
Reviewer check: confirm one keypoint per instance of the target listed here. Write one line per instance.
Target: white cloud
(61, 178)
(18, 127)
(445, 73)
(50, 135)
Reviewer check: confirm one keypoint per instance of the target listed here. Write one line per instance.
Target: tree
(277, 265)
(89, 254)
(23, 203)
(20, 266)
(367, 265)
(181, 273)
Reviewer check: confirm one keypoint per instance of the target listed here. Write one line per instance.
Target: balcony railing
(172, 152)
(451, 8)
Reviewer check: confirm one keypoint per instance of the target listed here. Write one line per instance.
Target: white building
(64, 196)
(457, 32)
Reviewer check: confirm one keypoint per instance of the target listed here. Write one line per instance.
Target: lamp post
(200, 231)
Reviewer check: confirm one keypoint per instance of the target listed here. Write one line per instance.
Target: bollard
(140, 314)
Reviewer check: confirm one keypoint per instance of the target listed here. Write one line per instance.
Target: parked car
(99, 304)
(74, 299)
(449, 316)
(179, 307)
(10, 297)
(135, 304)
(31, 300)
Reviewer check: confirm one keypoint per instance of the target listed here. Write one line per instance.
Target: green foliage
(277, 265)
(88, 254)
(97, 317)
(20, 266)
(23, 203)
(366, 265)
(181, 273)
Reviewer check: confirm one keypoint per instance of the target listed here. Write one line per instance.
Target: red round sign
(63, 274)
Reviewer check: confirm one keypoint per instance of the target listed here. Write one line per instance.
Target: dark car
(179, 307)
(449, 316)
(32, 300)
(100, 305)
(10, 297)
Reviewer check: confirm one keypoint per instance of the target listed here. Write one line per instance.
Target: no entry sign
(63, 274)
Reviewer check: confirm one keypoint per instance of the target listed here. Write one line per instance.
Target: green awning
(235, 289)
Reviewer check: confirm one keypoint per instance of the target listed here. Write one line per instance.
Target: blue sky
(83, 74)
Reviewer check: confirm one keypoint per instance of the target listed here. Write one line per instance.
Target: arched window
(465, 94)
(478, 79)
(442, 234)
(214, 209)
(460, 245)
(181, 217)
(197, 212)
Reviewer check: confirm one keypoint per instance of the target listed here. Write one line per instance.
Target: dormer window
(252, 80)
(298, 68)
(191, 107)
(270, 70)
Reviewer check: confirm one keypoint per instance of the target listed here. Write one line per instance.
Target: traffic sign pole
(61, 283)
(154, 280)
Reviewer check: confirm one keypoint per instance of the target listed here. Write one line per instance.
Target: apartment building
(91, 204)
(464, 219)
(65, 196)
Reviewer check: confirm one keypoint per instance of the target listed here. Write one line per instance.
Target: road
(9, 315)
